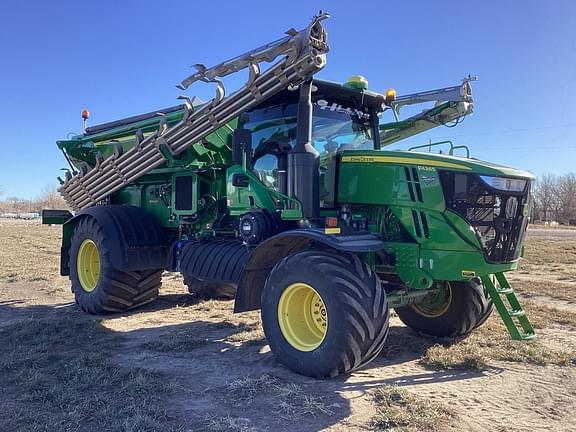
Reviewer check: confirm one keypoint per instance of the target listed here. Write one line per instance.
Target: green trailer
(282, 197)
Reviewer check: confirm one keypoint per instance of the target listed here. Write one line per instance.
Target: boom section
(451, 106)
(304, 54)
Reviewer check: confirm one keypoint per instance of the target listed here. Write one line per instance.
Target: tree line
(48, 198)
(555, 198)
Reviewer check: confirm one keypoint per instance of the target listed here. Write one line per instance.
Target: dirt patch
(184, 364)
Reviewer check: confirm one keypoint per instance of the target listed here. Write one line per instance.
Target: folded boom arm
(452, 104)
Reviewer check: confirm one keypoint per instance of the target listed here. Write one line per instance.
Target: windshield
(334, 127)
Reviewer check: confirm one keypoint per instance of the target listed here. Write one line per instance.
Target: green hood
(434, 160)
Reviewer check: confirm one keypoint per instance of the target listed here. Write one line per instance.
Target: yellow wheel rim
(88, 265)
(302, 317)
(437, 306)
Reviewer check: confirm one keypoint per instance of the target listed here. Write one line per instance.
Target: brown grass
(398, 410)
(551, 253)
(30, 251)
(227, 424)
(548, 227)
(290, 400)
(548, 269)
(57, 374)
(492, 342)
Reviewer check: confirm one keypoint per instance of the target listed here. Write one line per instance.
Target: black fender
(272, 250)
(137, 241)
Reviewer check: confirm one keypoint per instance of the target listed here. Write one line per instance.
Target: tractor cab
(344, 117)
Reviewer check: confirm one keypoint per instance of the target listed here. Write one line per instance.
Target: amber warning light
(390, 96)
(85, 117)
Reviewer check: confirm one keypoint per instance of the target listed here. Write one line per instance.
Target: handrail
(451, 151)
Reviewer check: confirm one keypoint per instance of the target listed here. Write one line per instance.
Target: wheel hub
(436, 304)
(88, 265)
(302, 317)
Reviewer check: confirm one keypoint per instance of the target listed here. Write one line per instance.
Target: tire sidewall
(461, 317)
(84, 232)
(317, 361)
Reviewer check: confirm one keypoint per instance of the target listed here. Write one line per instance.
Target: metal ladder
(304, 55)
(514, 316)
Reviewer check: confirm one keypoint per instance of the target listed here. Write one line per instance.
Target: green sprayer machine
(281, 196)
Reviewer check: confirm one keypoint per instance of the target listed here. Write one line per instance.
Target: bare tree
(50, 198)
(14, 204)
(545, 194)
(555, 197)
(567, 197)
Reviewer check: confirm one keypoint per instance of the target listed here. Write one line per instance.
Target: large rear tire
(99, 287)
(324, 313)
(458, 310)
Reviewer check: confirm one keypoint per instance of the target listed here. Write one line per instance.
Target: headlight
(504, 184)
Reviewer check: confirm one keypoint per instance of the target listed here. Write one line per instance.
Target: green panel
(156, 204)
(148, 196)
(459, 265)
(446, 230)
(387, 184)
(130, 195)
(407, 264)
(459, 225)
(418, 267)
(258, 196)
(243, 199)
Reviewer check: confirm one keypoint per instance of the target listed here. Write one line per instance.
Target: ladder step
(520, 329)
(503, 291)
(527, 336)
(516, 312)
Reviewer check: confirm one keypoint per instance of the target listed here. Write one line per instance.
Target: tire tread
(117, 290)
(363, 302)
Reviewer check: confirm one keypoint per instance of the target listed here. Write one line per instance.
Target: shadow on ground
(65, 370)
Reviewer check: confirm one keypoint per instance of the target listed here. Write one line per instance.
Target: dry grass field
(180, 364)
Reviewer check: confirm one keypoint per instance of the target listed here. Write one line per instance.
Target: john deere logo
(360, 159)
(428, 180)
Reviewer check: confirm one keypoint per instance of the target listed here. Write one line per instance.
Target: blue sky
(119, 58)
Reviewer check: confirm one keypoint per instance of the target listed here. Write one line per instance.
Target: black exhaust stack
(304, 160)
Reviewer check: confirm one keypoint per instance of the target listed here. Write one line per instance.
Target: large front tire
(324, 313)
(99, 287)
(455, 311)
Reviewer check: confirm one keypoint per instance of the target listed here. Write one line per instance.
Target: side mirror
(240, 180)
(241, 142)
